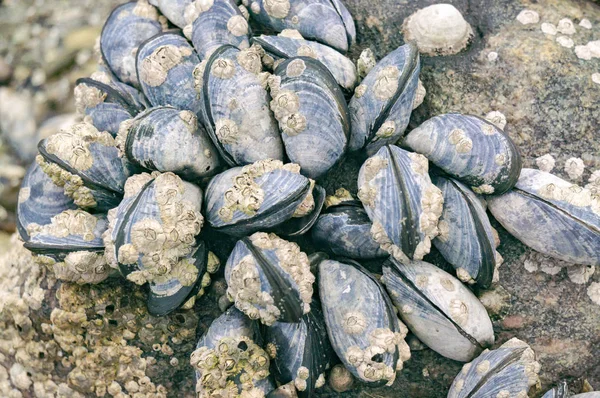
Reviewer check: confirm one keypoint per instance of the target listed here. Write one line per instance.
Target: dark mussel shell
(552, 216)
(229, 360)
(152, 237)
(266, 195)
(282, 47)
(85, 162)
(344, 229)
(128, 26)
(401, 201)
(381, 106)
(269, 279)
(361, 322)
(466, 238)
(236, 110)
(469, 148)
(312, 114)
(508, 371)
(213, 23)
(438, 309)
(300, 352)
(167, 139)
(326, 21)
(165, 64)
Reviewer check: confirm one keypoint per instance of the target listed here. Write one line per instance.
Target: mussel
(174, 10)
(469, 148)
(236, 106)
(438, 309)
(269, 279)
(325, 21)
(164, 65)
(213, 23)
(344, 229)
(300, 352)
(167, 139)
(361, 322)
(128, 26)
(85, 162)
(152, 237)
(401, 201)
(229, 361)
(382, 103)
(283, 47)
(466, 239)
(263, 196)
(552, 216)
(312, 114)
(506, 372)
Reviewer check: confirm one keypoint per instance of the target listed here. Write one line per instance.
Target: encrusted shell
(269, 279)
(174, 10)
(508, 371)
(128, 26)
(438, 309)
(401, 201)
(552, 216)
(342, 68)
(228, 356)
(344, 229)
(470, 149)
(325, 21)
(261, 196)
(86, 164)
(381, 106)
(165, 64)
(312, 115)
(213, 23)
(152, 238)
(466, 238)
(167, 139)
(236, 107)
(300, 352)
(361, 322)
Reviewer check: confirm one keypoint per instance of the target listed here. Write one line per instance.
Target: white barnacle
(500, 159)
(227, 131)
(295, 68)
(277, 8)
(223, 68)
(360, 90)
(465, 145)
(156, 66)
(255, 7)
(448, 284)
(459, 311)
(384, 338)
(366, 61)
(549, 29)
(87, 97)
(483, 367)
(574, 167)
(464, 275)
(147, 235)
(596, 78)
(386, 83)
(128, 254)
(527, 17)
(488, 129)
(306, 51)
(456, 135)
(291, 34)
(386, 130)
(419, 163)
(237, 25)
(354, 323)
(565, 41)
(444, 231)
(198, 74)
(284, 103)
(354, 355)
(250, 59)
(420, 95)
(293, 124)
(585, 23)
(484, 189)
(190, 120)
(566, 27)
(580, 274)
(545, 163)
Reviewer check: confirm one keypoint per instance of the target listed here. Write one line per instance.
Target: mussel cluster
(212, 123)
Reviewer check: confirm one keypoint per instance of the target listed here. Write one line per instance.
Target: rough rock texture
(552, 106)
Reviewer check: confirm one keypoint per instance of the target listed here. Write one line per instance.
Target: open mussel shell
(281, 47)
(401, 201)
(229, 360)
(85, 162)
(560, 391)
(552, 216)
(508, 371)
(174, 10)
(39, 200)
(438, 309)
(165, 64)
(300, 352)
(262, 196)
(128, 26)
(361, 322)
(152, 238)
(106, 106)
(312, 115)
(325, 21)
(470, 149)
(381, 106)
(466, 238)
(344, 229)
(167, 139)
(236, 106)
(296, 226)
(269, 278)
(213, 23)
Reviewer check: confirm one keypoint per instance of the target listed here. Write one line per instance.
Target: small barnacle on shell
(545, 163)
(277, 8)
(496, 118)
(366, 62)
